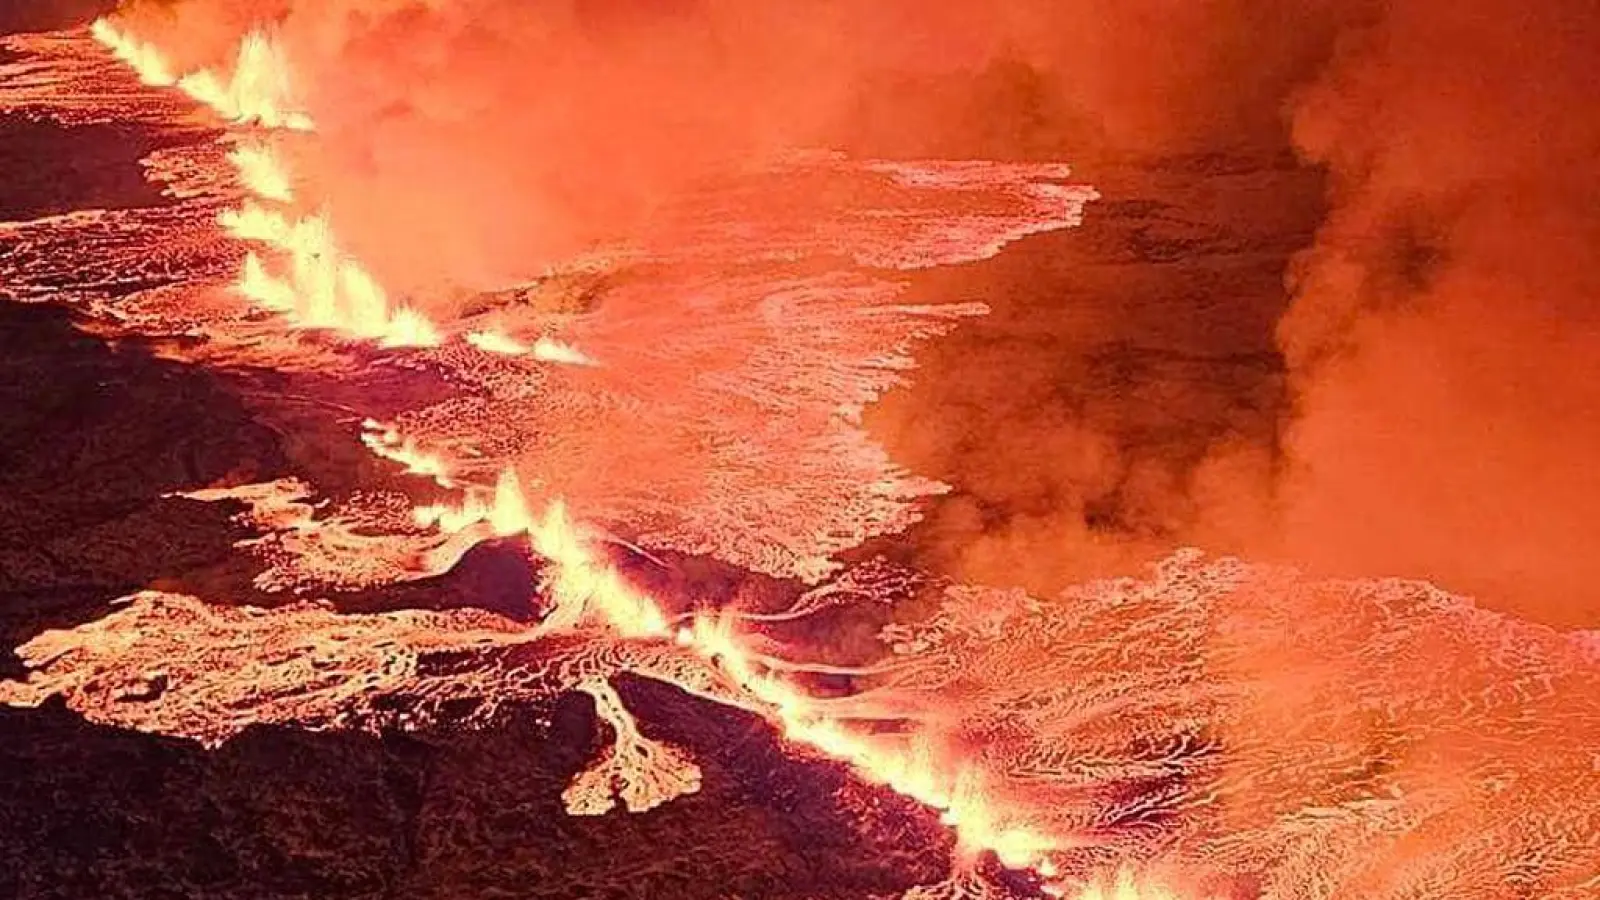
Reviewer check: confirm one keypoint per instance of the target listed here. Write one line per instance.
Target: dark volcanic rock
(276, 812)
(94, 439)
(52, 169)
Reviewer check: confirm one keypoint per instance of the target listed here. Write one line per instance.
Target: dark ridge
(93, 439)
(21, 16)
(52, 168)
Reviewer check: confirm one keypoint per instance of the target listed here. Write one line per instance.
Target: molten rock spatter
(148, 61)
(318, 286)
(256, 90)
(641, 772)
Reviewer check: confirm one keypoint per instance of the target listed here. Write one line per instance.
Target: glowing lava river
(661, 436)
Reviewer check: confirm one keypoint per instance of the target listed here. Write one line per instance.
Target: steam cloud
(1426, 404)
(1443, 337)
(1418, 400)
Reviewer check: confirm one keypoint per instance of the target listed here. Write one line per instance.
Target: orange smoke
(304, 273)
(149, 62)
(463, 146)
(1444, 341)
(1417, 400)
(259, 88)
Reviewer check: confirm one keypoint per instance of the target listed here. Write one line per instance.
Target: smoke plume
(1444, 335)
(1410, 394)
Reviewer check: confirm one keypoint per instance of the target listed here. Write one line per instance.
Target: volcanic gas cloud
(617, 283)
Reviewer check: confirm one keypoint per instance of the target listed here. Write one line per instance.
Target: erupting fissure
(583, 588)
(299, 270)
(306, 277)
(1216, 728)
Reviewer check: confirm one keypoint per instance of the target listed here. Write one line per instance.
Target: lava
(544, 349)
(322, 288)
(642, 773)
(258, 91)
(146, 60)
(261, 173)
(1215, 723)
(583, 587)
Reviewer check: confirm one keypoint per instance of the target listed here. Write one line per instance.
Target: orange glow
(912, 768)
(258, 91)
(303, 273)
(544, 349)
(261, 173)
(149, 63)
(1229, 719)
(496, 342)
(323, 287)
(253, 222)
(584, 588)
(549, 350)
(642, 773)
(582, 585)
(387, 443)
(257, 285)
(1126, 887)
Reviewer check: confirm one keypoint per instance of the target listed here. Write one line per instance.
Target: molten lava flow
(914, 770)
(584, 588)
(1217, 721)
(641, 772)
(300, 270)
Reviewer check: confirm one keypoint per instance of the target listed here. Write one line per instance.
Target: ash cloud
(462, 144)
